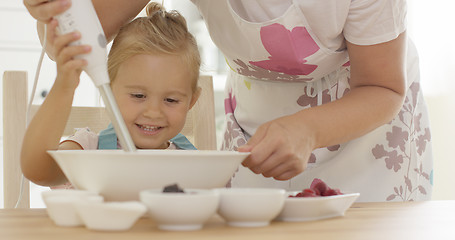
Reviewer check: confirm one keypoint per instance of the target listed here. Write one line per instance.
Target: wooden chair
(199, 128)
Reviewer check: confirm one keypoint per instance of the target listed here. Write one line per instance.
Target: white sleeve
(87, 139)
(375, 21)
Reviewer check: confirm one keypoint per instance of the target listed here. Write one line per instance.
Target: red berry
(300, 194)
(332, 192)
(314, 182)
(320, 187)
(308, 190)
(307, 194)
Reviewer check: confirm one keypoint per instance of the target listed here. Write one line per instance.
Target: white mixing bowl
(120, 176)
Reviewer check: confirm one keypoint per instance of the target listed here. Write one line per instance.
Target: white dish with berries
(315, 203)
(315, 208)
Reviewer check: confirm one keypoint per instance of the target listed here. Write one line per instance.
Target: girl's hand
(45, 10)
(279, 148)
(69, 68)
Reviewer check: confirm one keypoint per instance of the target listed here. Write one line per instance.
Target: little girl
(153, 66)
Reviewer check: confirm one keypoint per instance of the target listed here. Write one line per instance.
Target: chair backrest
(199, 128)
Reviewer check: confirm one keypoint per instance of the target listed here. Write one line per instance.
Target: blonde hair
(161, 32)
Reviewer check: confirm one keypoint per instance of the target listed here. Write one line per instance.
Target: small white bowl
(175, 211)
(66, 192)
(110, 216)
(60, 206)
(250, 207)
(299, 209)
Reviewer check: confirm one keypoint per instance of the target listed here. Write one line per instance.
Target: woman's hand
(45, 10)
(112, 14)
(69, 68)
(279, 148)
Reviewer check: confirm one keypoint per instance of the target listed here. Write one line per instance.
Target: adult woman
(318, 89)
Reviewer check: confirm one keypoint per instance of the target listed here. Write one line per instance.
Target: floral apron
(279, 67)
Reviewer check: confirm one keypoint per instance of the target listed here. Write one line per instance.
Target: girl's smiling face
(154, 94)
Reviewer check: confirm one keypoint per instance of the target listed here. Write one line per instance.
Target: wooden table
(418, 220)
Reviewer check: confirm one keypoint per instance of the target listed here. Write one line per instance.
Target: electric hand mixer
(81, 16)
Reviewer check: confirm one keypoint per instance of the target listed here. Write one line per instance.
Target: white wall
(431, 27)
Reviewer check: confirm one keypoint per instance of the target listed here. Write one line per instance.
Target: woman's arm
(112, 14)
(281, 148)
(378, 89)
(115, 13)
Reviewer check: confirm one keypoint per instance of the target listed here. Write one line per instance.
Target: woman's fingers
(255, 139)
(256, 146)
(286, 175)
(288, 168)
(281, 161)
(267, 144)
(45, 10)
(265, 155)
(277, 152)
(275, 164)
